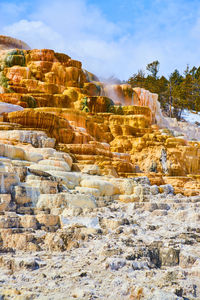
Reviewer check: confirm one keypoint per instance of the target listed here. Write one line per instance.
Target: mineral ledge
(99, 193)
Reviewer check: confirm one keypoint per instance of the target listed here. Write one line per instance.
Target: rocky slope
(99, 193)
(7, 42)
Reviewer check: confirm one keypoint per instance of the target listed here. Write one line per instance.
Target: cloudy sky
(110, 37)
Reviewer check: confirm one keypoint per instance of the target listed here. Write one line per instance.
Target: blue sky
(110, 37)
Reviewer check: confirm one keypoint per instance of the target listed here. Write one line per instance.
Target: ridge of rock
(7, 42)
(99, 193)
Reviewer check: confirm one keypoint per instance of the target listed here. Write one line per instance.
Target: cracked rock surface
(143, 250)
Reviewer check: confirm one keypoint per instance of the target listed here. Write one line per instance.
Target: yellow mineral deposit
(93, 169)
(82, 114)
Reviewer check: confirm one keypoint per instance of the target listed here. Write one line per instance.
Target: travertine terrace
(7, 42)
(99, 192)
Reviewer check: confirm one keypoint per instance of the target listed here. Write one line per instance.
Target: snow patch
(191, 117)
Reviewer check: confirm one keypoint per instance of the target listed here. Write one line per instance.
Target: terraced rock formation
(99, 193)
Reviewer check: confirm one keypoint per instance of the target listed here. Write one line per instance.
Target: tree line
(176, 93)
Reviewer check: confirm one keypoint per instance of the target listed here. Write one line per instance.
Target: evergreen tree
(153, 68)
(176, 93)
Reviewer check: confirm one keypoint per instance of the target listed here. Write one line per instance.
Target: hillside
(99, 191)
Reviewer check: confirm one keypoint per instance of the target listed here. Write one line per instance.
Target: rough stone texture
(83, 117)
(7, 42)
(141, 255)
(99, 193)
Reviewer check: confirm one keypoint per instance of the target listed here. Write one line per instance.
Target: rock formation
(94, 121)
(7, 42)
(94, 170)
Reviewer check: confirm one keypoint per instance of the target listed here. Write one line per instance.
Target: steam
(110, 91)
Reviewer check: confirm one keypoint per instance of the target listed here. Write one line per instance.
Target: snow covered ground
(191, 117)
(188, 129)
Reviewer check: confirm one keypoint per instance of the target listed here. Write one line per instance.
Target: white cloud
(35, 33)
(167, 31)
(76, 28)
